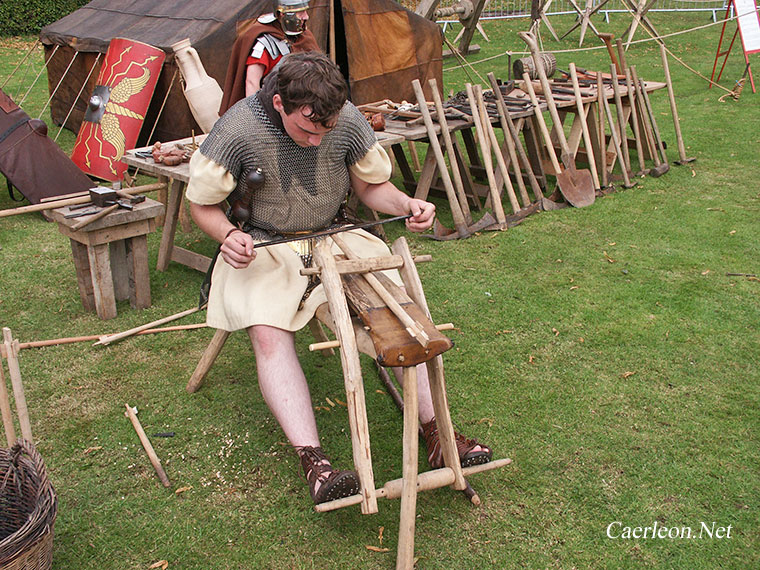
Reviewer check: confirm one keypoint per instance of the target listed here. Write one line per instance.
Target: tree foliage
(23, 17)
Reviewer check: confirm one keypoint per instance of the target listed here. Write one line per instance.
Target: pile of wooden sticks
(614, 134)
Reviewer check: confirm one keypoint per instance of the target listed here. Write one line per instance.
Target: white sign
(749, 25)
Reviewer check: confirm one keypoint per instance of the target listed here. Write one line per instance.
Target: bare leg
(425, 399)
(423, 392)
(283, 384)
(286, 392)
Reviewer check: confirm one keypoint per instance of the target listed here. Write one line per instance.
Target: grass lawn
(604, 349)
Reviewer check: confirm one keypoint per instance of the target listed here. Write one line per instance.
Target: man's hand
(423, 214)
(237, 249)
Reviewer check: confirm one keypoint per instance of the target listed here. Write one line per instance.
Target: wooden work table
(524, 119)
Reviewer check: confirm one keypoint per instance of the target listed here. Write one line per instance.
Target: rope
(20, 63)
(461, 58)
(645, 40)
(44, 67)
(63, 75)
(84, 84)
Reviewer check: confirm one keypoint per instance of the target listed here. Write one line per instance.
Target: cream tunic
(270, 289)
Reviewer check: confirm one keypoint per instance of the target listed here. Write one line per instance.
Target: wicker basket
(28, 506)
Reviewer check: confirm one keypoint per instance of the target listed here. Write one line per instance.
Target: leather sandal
(333, 484)
(468, 456)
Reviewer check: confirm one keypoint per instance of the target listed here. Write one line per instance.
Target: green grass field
(605, 350)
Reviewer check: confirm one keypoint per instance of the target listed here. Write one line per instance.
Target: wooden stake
(456, 210)
(5, 408)
(11, 354)
(108, 339)
(584, 124)
(131, 413)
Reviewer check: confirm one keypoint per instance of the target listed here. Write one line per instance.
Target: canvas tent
(380, 47)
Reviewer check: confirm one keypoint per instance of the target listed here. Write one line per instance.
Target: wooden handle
(531, 41)
(584, 124)
(155, 461)
(456, 210)
(622, 134)
(478, 119)
(53, 204)
(108, 339)
(94, 218)
(635, 120)
(673, 109)
(457, 176)
(542, 124)
(515, 137)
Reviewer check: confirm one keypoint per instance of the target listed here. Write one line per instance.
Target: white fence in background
(500, 9)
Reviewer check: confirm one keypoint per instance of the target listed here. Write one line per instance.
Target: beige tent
(379, 45)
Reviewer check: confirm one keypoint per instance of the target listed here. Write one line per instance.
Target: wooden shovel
(576, 186)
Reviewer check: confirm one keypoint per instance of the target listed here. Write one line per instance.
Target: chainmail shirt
(304, 186)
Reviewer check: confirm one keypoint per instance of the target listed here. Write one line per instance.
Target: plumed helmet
(287, 12)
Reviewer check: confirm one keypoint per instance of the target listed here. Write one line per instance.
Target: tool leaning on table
(178, 176)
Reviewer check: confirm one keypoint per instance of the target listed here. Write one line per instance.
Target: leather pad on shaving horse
(394, 346)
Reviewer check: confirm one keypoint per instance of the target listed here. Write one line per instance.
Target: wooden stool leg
(352, 376)
(84, 278)
(413, 285)
(405, 552)
(137, 264)
(102, 280)
(207, 360)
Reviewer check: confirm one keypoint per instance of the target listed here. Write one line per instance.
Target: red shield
(117, 107)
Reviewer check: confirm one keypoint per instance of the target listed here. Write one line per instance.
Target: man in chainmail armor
(312, 147)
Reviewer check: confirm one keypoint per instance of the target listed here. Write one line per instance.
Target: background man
(260, 48)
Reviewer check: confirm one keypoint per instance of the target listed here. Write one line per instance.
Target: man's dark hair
(311, 79)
